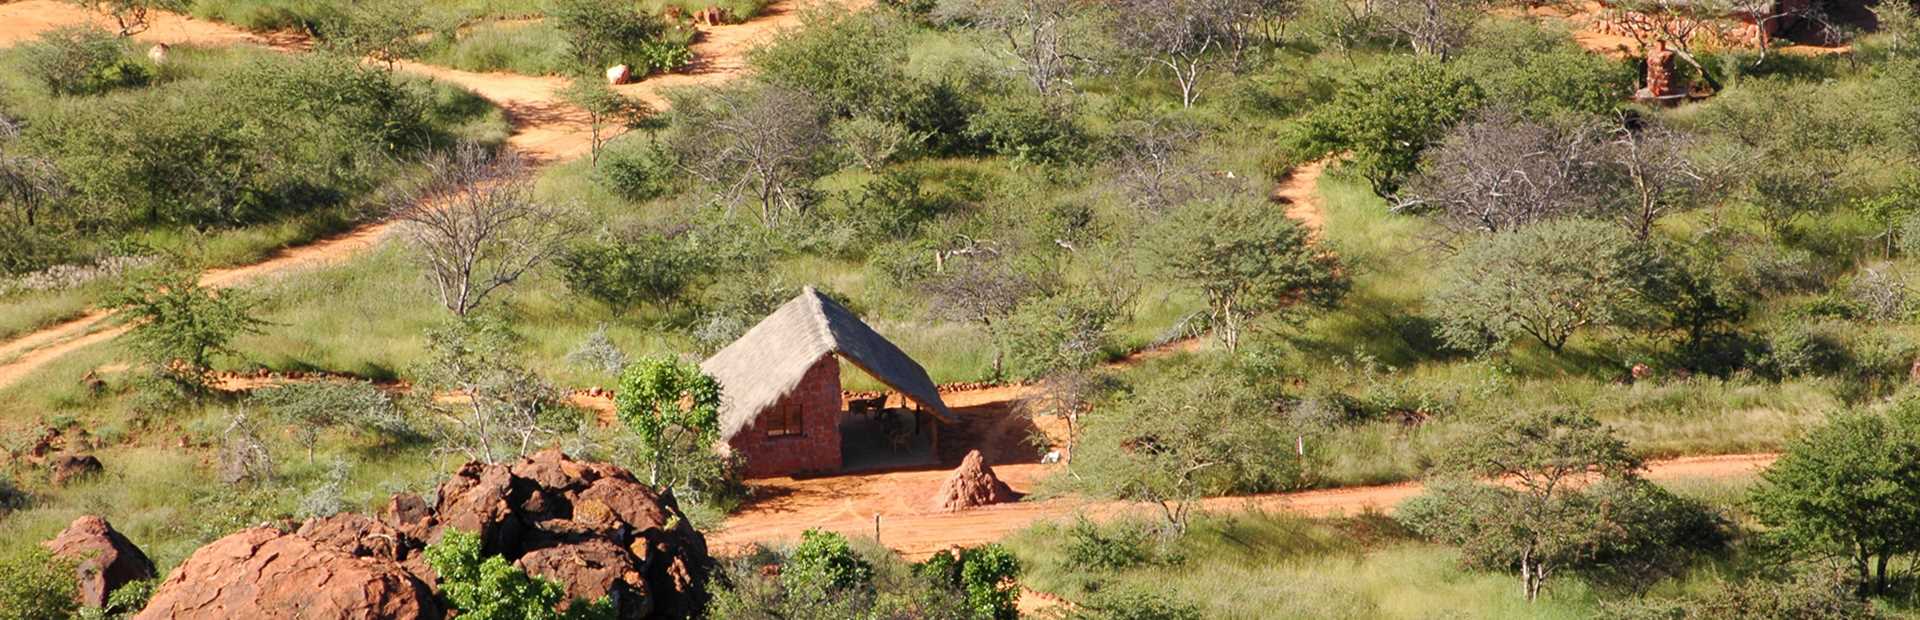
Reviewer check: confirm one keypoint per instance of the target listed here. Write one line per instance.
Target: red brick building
(780, 387)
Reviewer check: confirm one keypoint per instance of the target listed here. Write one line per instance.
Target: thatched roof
(767, 363)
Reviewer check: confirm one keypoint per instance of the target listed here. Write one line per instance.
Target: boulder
(973, 484)
(591, 526)
(267, 573)
(107, 560)
(619, 74)
(72, 467)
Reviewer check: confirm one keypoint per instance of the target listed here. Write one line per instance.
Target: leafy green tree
(1248, 259)
(1385, 117)
(1058, 333)
(1547, 281)
(674, 409)
(1687, 291)
(35, 585)
(848, 62)
(604, 33)
(1850, 491)
(1540, 520)
(985, 573)
(487, 587)
(822, 565)
(1189, 432)
(385, 31)
(179, 327)
(509, 409)
(604, 106)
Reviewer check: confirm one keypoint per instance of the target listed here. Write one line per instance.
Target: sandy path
(1300, 193)
(544, 130)
(849, 504)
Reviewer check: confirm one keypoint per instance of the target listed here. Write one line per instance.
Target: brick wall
(816, 449)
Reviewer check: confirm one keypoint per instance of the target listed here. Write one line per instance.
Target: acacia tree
(1384, 119)
(1039, 35)
(1432, 27)
(1540, 518)
(385, 31)
(476, 226)
(503, 410)
(1157, 166)
(1248, 259)
(1502, 171)
(1849, 492)
(1547, 281)
(1179, 35)
(983, 286)
(674, 410)
(755, 142)
(604, 107)
(129, 15)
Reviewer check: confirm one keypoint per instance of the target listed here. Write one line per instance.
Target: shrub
(489, 588)
(1849, 492)
(1384, 118)
(1028, 128)
(310, 407)
(603, 33)
(848, 62)
(1798, 349)
(1133, 603)
(1119, 547)
(823, 564)
(639, 173)
(1546, 282)
(985, 574)
(179, 326)
(82, 60)
(647, 268)
(35, 585)
(1062, 332)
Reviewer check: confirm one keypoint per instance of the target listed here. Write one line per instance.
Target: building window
(784, 420)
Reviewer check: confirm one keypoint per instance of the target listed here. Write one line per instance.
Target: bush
(645, 268)
(603, 33)
(82, 60)
(1384, 118)
(1799, 349)
(639, 173)
(1094, 547)
(1063, 332)
(1805, 597)
(986, 574)
(1132, 603)
(490, 588)
(848, 62)
(1028, 128)
(822, 565)
(35, 585)
(1547, 282)
(310, 407)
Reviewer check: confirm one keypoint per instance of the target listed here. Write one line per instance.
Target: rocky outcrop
(106, 560)
(971, 485)
(68, 468)
(590, 526)
(267, 573)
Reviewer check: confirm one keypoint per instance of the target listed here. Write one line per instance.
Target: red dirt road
(849, 504)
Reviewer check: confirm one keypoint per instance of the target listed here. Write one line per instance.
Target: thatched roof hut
(769, 363)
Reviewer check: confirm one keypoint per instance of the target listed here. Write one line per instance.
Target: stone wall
(816, 449)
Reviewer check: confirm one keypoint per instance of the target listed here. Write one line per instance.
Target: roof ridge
(821, 327)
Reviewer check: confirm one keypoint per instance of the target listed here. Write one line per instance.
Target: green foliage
(312, 407)
(822, 565)
(644, 171)
(1093, 547)
(1385, 117)
(603, 106)
(1543, 521)
(383, 30)
(1247, 259)
(1806, 597)
(985, 573)
(1029, 128)
(630, 270)
(1134, 604)
(35, 585)
(1181, 433)
(179, 326)
(487, 587)
(82, 60)
(849, 62)
(1067, 331)
(1545, 74)
(1849, 491)
(604, 33)
(1547, 281)
(674, 410)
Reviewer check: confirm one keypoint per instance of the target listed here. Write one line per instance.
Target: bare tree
(476, 226)
(1180, 35)
(755, 142)
(129, 15)
(1432, 27)
(606, 110)
(1652, 159)
(28, 184)
(1502, 171)
(491, 406)
(1038, 34)
(1157, 166)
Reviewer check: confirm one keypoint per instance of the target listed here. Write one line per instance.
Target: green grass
(294, 14)
(26, 312)
(1267, 565)
(527, 48)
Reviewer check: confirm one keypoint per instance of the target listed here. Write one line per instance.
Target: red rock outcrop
(266, 573)
(71, 467)
(590, 526)
(973, 484)
(107, 560)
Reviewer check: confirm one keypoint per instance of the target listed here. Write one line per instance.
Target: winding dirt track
(849, 504)
(545, 130)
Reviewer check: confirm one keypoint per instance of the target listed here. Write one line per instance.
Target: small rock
(107, 560)
(619, 74)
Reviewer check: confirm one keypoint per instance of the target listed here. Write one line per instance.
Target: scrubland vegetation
(1509, 272)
